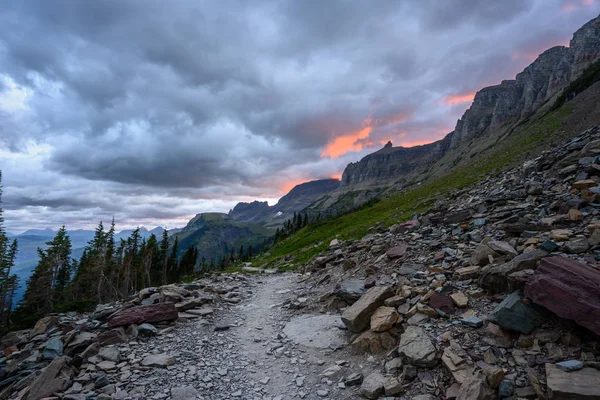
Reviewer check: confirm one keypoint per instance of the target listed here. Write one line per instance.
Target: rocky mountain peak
(388, 145)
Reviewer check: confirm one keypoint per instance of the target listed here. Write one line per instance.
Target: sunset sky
(153, 111)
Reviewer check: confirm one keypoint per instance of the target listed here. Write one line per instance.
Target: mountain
(296, 200)
(217, 234)
(557, 75)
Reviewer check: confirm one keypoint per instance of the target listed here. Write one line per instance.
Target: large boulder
(516, 314)
(494, 278)
(569, 289)
(416, 348)
(373, 342)
(358, 316)
(582, 385)
(56, 377)
(140, 314)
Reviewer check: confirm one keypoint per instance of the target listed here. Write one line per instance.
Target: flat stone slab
(317, 331)
(582, 385)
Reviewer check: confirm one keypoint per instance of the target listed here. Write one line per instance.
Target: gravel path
(241, 352)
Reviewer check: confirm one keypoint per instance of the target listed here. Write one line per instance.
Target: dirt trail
(253, 358)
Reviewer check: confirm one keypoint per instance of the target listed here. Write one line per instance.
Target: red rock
(140, 314)
(442, 303)
(569, 289)
(397, 251)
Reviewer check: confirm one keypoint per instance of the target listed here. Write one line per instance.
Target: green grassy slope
(539, 132)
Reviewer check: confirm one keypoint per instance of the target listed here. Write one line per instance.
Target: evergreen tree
(8, 281)
(49, 276)
(164, 256)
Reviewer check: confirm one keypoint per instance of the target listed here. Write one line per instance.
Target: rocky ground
(494, 293)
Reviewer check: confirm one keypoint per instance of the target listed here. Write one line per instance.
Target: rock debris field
(494, 293)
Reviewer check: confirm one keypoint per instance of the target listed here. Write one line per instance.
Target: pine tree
(164, 257)
(8, 281)
(49, 276)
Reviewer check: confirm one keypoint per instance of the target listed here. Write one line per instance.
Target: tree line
(108, 270)
(8, 280)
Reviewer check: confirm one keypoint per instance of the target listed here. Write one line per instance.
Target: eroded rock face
(569, 289)
(140, 314)
(357, 317)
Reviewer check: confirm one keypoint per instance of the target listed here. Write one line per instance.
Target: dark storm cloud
(154, 109)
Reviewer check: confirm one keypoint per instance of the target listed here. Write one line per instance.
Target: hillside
(216, 235)
(496, 113)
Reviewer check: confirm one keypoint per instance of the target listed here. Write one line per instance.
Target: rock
(581, 385)
(54, 348)
(584, 184)
(147, 330)
(472, 321)
(357, 316)
(493, 376)
(515, 314)
(577, 246)
(569, 289)
(113, 336)
(494, 278)
(43, 325)
(80, 341)
(383, 319)
(221, 327)
(503, 248)
(575, 215)
(460, 299)
(353, 379)
(333, 372)
(373, 386)
(442, 302)
(395, 301)
(55, 378)
(140, 314)
(158, 360)
(548, 246)
(506, 388)
(416, 348)
(570, 366)
(462, 274)
(110, 353)
(456, 365)
(392, 387)
(397, 251)
(373, 342)
(475, 388)
(497, 337)
(350, 290)
(481, 255)
(184, 393)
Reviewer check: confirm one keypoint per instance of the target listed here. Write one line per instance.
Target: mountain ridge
(494, 112)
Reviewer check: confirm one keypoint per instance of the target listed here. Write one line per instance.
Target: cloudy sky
(153, 111)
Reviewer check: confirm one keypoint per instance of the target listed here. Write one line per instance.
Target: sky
(153, 111)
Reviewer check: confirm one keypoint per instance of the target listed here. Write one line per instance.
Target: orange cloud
(359, 139)
(336, 176)
(343, 144)
(459, 99)
(568, 6)
(286, 187)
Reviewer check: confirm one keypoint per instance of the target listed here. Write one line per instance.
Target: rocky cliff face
(494, 109)
(543, 79)
(300, 197)
(392, 164)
